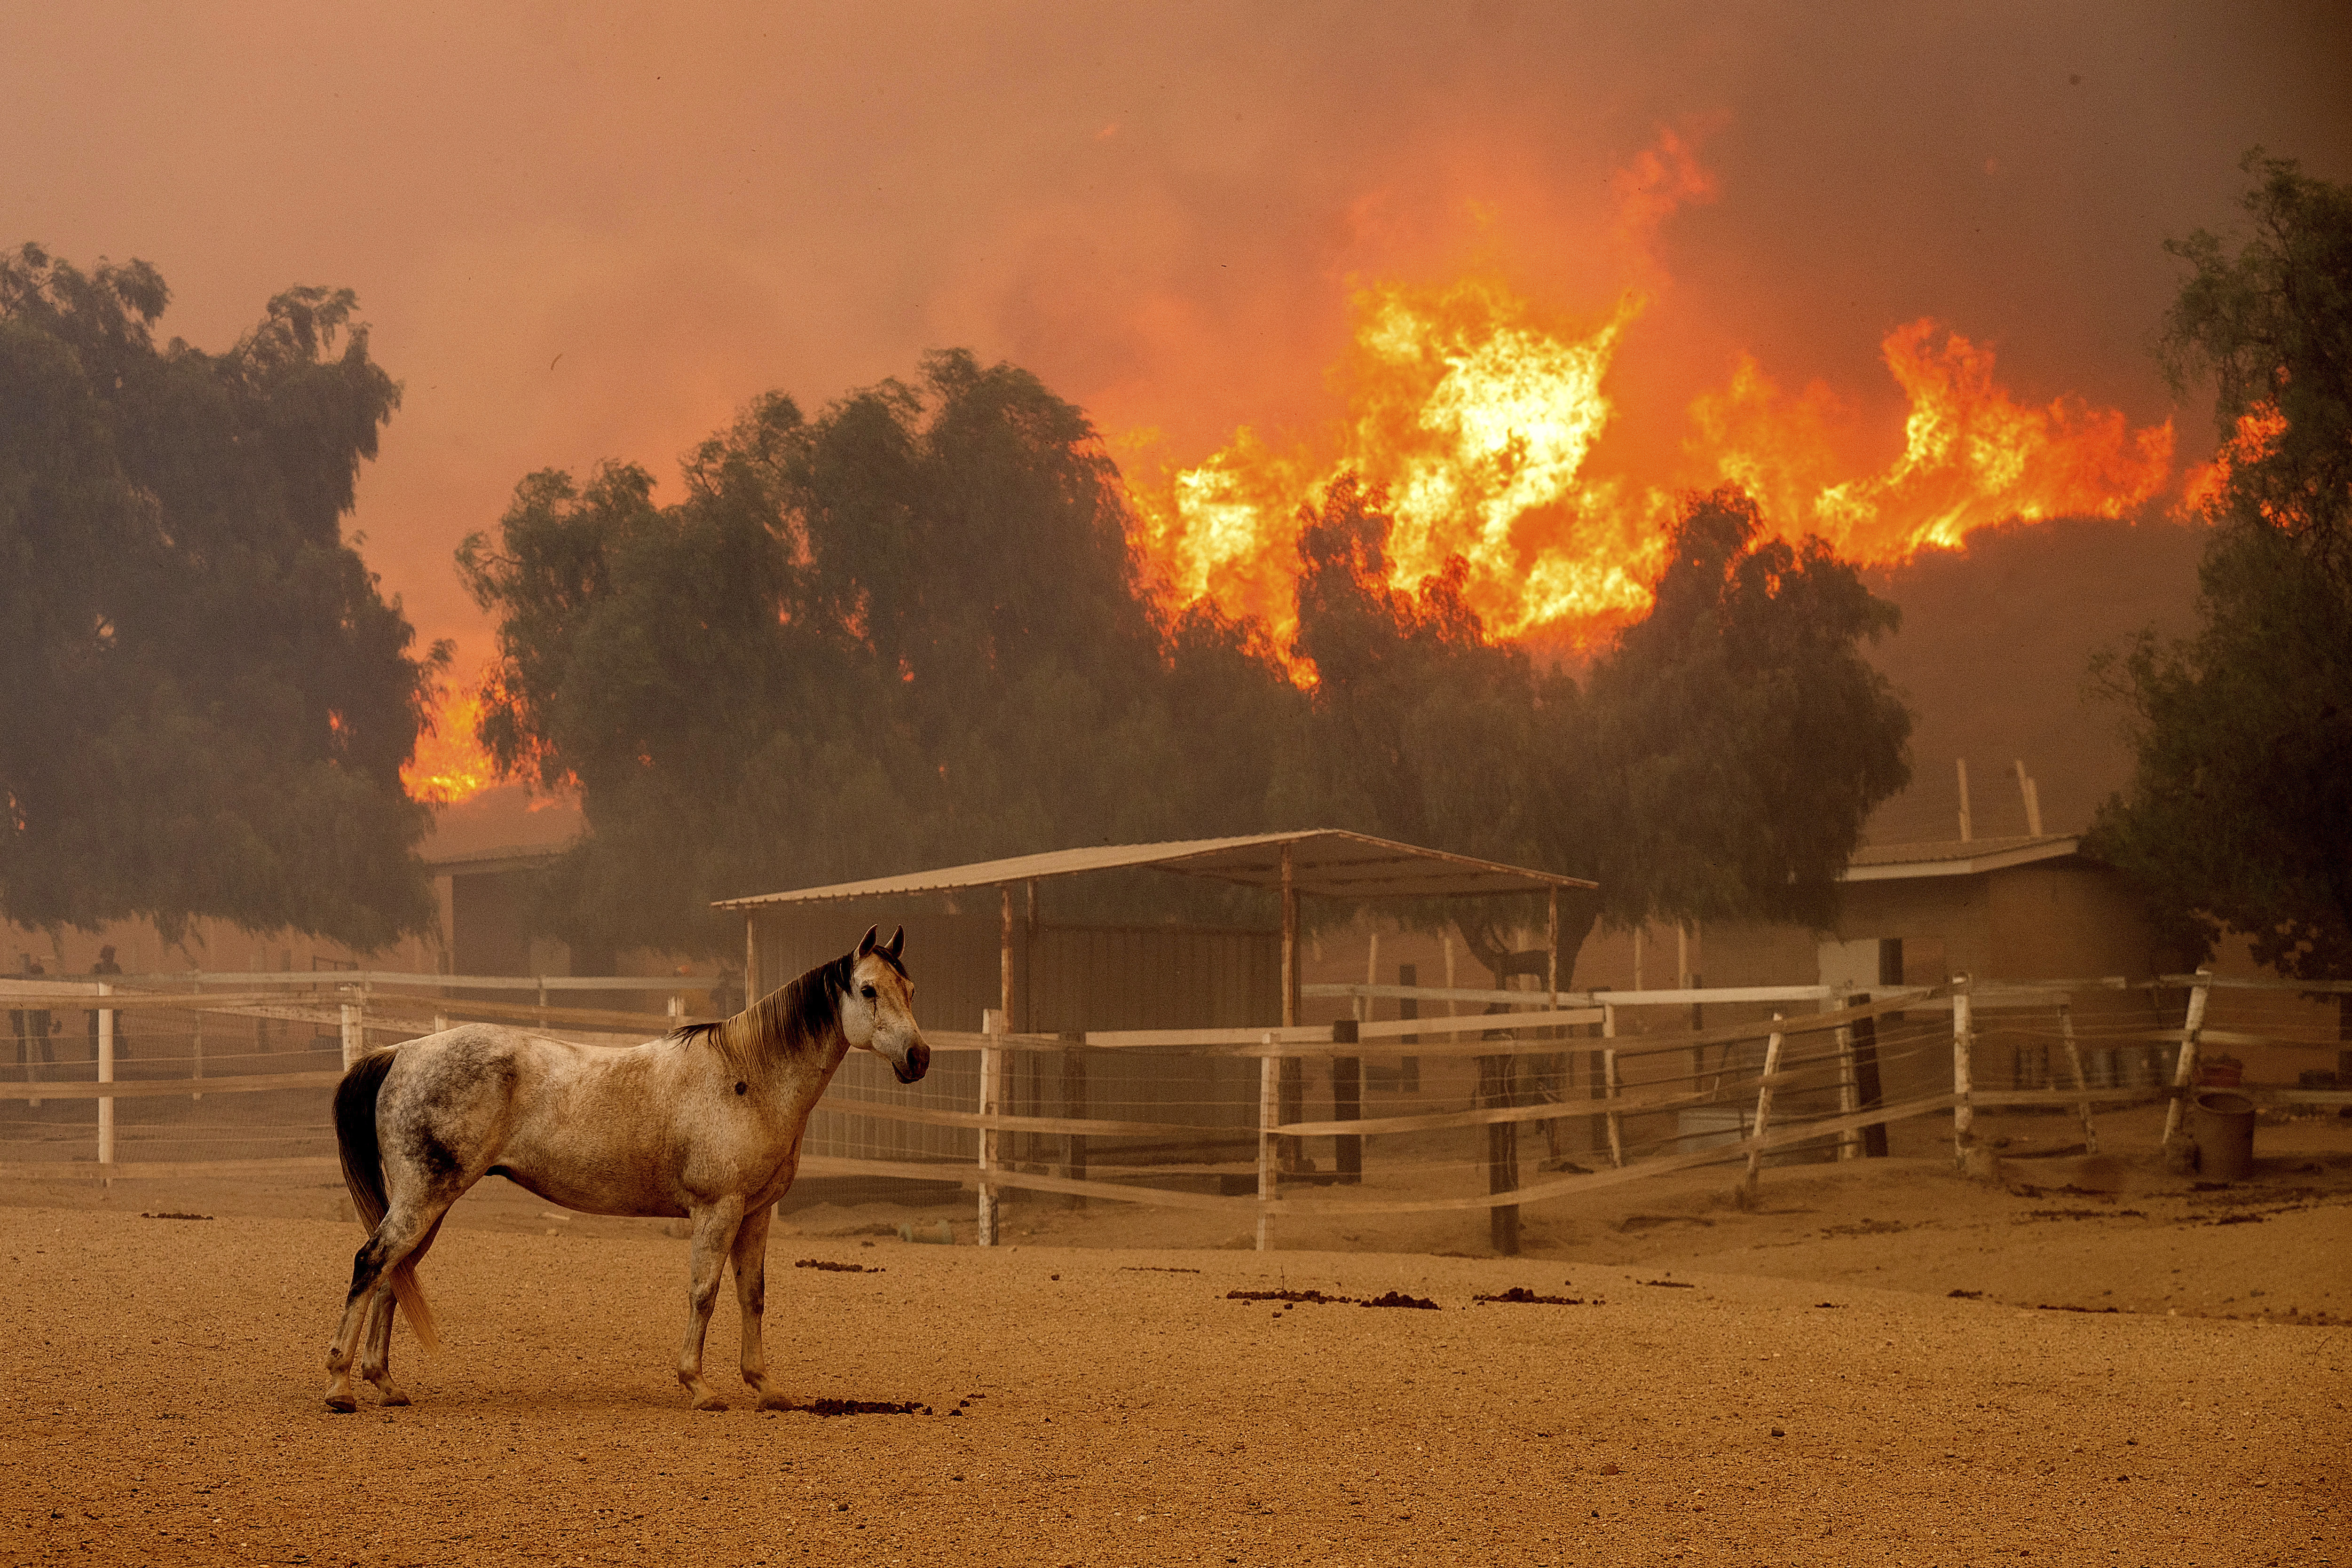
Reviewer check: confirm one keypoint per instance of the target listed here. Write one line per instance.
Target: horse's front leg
(751, 1254)
(714, 1236)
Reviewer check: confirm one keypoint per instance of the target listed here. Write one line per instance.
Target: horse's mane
(786, 1021)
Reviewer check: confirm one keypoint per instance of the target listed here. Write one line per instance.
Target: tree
(909, 630)
(2238, 813)
(1735, 737)
(204, 699)
(1717, 762)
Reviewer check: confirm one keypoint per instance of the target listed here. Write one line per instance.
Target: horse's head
(877, 1006)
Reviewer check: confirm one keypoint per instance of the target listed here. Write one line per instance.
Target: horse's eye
(866, 992)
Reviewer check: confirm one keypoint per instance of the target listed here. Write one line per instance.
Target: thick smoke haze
(585, 231)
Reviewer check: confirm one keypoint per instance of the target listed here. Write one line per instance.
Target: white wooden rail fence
(380, 1002)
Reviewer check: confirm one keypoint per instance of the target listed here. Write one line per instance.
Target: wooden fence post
(1269, 1097)
(105, 1075)
(1074, 1106)
(2185, 1073)
(1347, 1102)
(991, 1095)
(1849, 1088)
(1612, 1088)
(1763, 1107)
(349, 1015)
(1964, 1111)
(2081, 1082)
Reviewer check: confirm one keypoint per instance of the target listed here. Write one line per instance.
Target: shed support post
(351, 1028)
(1292, 1073)
(2185, 1073)
(750, 958)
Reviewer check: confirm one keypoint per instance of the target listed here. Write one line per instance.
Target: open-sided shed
(979, 956)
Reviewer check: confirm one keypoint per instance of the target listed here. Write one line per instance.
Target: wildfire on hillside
(1478, 418)
(450, 765)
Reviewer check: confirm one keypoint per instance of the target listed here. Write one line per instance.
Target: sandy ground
(1797, 1384)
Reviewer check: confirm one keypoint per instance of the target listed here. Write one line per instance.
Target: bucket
(2101, 1067)
(1710, 1127)
(2223, 1125)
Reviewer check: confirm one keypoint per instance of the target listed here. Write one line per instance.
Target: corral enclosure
(1281, 1080)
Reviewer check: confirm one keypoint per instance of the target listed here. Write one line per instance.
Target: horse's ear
(865, 943)
(897, 944)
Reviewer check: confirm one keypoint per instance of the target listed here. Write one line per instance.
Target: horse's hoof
(342, 1404)
(771, 1400)
(708, 1402)
(395, 1396)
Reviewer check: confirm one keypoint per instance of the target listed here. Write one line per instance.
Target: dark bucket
(2223, 1125)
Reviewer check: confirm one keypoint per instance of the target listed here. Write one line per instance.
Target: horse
(704, 1123)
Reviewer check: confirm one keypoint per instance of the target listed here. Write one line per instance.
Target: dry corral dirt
(1795, 1383)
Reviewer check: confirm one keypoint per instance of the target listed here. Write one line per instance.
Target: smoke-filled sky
(587, 231)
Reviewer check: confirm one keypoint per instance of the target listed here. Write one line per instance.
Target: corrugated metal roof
(1954, 857)
(1326, 862)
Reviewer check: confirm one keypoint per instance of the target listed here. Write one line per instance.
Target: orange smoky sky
(586, 231)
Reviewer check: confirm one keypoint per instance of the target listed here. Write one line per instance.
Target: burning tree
(2239, 814)
(1717, 762)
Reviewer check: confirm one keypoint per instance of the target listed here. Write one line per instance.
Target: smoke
(584, 231)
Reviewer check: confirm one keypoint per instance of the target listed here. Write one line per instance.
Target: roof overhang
(1326, 862)
(1898, 863)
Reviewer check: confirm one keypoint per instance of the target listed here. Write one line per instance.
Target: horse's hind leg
(396, 1235)
(714, 1236)
(750, 1256)
(375, 1362)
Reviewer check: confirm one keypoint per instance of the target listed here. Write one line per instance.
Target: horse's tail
(363, 1157)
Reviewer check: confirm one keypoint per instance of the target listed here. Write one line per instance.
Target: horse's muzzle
(919, 1061)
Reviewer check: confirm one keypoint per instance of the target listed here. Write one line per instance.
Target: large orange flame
(450, 765)
(1478, 417)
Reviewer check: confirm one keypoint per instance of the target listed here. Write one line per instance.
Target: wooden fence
(1822, 1084)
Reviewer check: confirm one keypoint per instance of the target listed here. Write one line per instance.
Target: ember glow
(1478, 416)
(450, 765)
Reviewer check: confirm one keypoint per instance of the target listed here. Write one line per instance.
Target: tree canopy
(204, 698)
(912, 630)
(2238, 813)
(1718, 761)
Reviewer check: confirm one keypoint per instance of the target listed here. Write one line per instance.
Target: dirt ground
(1874, 1365)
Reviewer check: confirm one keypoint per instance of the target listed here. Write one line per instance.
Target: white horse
(704, 1123)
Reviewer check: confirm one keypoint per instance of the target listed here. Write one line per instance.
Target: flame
(1972, 455)
(2202, 490)
(1479, 416)
(450, 765)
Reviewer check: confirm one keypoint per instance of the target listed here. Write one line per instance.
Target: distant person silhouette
(104, 966)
